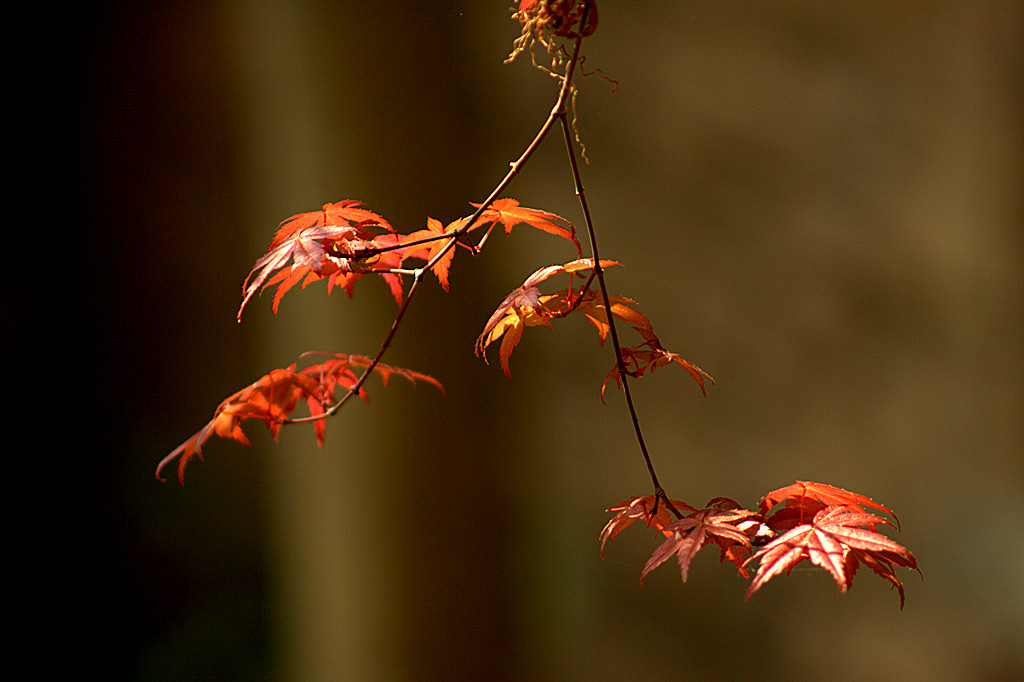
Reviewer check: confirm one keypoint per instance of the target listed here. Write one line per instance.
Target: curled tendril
(544, 20)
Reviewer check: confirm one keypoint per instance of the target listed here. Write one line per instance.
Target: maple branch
(827, 526)
(557, 113)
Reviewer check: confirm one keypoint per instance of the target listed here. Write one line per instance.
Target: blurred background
(818, 203)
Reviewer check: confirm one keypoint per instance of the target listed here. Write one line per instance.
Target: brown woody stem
(599, 272)
(563, 117)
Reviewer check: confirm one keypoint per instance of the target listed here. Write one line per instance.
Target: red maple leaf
(721, 522)
(275, 395)
(435, 238)
(637, 508)
(331, 242)
(648, 356)
(509, 213)
(346, 212)
(527, 307)
(337, 371)
(271, 398)
(837, 538)
(803, 499)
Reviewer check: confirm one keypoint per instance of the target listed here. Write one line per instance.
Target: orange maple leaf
(345, 212)
(332, 242)
(648, 356)
(527, 307)
(271, 398)
(509, 213)
(275, 395)
(436, 233)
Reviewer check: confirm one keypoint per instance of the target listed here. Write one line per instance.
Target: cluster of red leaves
(274, 396)
(526, 307)
(338, 243)
(826, 525)
(341, 243)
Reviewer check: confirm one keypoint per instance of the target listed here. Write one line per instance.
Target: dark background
(818, 203)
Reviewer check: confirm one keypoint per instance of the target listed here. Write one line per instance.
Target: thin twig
(599, 272)
(557, 111)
